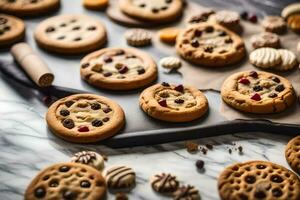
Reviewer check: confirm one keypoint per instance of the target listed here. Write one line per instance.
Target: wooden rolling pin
(32, 64)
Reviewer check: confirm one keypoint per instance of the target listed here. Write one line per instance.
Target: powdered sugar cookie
(265, 57)
(170, 62)
(289, 60)
(265, 39)
(138, 37)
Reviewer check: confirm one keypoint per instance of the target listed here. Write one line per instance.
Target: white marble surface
(26, 146)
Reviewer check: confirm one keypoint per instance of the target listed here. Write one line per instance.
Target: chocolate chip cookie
(118, 68)
(153, 11)
(12, 30)
(292, 154)
(69, 34)
(258, 92)
(85, 118)
(258, 180)
(28, 7)
(210, 44)
(173, 103)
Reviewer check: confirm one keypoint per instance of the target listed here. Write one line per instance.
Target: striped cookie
(164, 183)
(292, 154)
(289, 60)
(138, 37)
(120, 177)
(265, 57)
(170, 62)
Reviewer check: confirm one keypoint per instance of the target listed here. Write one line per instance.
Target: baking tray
(140, 129)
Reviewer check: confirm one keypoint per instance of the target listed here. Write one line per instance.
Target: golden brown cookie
(173, 103)
(293, 22)
(120, 177)
(258, 180)
(258, 92)
(67, 181)
(168, 35)
(274, 24)
(118, 68)
(70, 34)
(12, 30)
(28, 7)
(164, 183)
(85, 118)
(292, 154)
(265, 39)
(95, 4)
(210, 44)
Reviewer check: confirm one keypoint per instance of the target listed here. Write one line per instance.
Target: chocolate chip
(240, 148)
(68, 123)
(277, 192)
(107, 110)
(6, 28)
(164, 95)
(33, 1)
(259, 194)
(91, 28)
(155, 10)
(76, 28)
(11, 1)
(200, 164)
(141, 71)
(53, 183)
(120, 52)
(106, 119)
(257, 88)
(121, 77)
(64, 112)
(253, 74)
(228, 40)
(50, 29)
(73, 21)
(107, 74)
(69, 195)
(85, 65)
(168, 1)
(250, 179)
(179, 101)
(39, 192)
(179, 88)
(165, 84)
(272, 95)
(164, 8)
(63, 25)
(222, 33)
(1, 32)
(130, 56)
(97, 123)
(64, 168)
(123, 70)
(197, 33)
(209, 49)
(61, 37)
(244, 15)
(85, 184)
(209, 29)
(279, 88)
(107, 59)
(260, 166)
(69, 103)
(77, 39)
(209, 146)
(142, 5)
(276, 178)
(275, 79)
(95, 106)
(195, 43)
(3, 20)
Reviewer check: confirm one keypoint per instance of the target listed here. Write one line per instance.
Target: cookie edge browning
(288, 150)
(30, 188)
(222, 179)
(69, 48)
(229, 96)
(150, 106)
(212, 59)
(15, 37)
(167, 16)
(115, 125)
(120, 84)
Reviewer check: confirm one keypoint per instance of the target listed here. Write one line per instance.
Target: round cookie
(118, 69)
(12, 30)
(173, 103)
(289, 60)
(155, 10)
(186, 193)
(293, 22)
(274, 24)
(258, 180)
(85, 118)
(90, 158)
(95, 4)
(265, 57)
(67, 181)
(138, 37)
(258, 92)
(28, 7)
(70, 34)
(164, 183)
(229, 19)
(120, 177)
(265, 39)
(210, 45)
(292, 154)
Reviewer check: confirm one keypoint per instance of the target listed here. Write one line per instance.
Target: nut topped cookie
(12, 29)
(118, 68)
(154, 10)
(173, 103)
(258, 92)
(67, 181)
(292, 154)
(73, 33)
(258, 180)
(84, 118)
(210, 45)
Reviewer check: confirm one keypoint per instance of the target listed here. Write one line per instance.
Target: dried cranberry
(272, 95)
(123, 70)
(244, 15)
(252, 18)
(256, 97)
(244, 81)
(163, 103)
(107, 74)
(279, 88)
(83, 129)
(107, 59)
(179, 101)
(253, 74)
(64, 112)
(179, 88)
(165, 84)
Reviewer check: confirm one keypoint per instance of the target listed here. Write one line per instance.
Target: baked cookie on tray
(258, 92)
(210, 44)
(258, 180)
(71, 33)
(118, 68)
(85, 118)
(173, 103)
(67, 181)
(28, 7)
(154, 11)
(12, 29)
(292, 154)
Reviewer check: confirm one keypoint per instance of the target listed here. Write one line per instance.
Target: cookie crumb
(191, 147)
(121, 196)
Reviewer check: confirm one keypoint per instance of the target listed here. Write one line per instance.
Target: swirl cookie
(274, 24)
(292, 154)
(28, 7)
(154, 11)
(210, 45)
(67, 181)
(164, 183)
(265, 39)
(12, 29)
(258, 92)
(186, 193)
(288, 60)
(90, 158)
(173, 103)
(258, 180)
(118, 69)
(120, 177)
(69, 34)
(265, 57)
(84, 118)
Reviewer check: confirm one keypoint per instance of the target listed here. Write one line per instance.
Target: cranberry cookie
(258, 92)
(118, 68)
(12, 29)
(70, 34)
(258, 180)
(28, 7)
(154, 11)
(173, 103)
(67, 181)
(292, 154)
(85, 118)
(210, 44)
